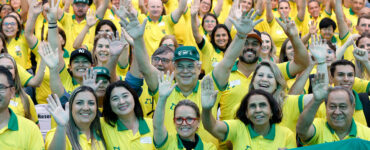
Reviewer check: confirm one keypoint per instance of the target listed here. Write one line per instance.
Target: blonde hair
(96, 39)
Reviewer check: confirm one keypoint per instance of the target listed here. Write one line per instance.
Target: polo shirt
(211, 55)
(67, 80)
(18, 48)
(324, 133)
(24, 76)
(173, 142)
(20, 133)
(16, 105)
(120, 137)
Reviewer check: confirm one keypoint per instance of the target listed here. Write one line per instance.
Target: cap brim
(254, 35)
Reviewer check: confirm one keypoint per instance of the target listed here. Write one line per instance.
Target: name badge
(13, 103)
(146, 140)
(234, 83)
(161, 24)
(279, 32)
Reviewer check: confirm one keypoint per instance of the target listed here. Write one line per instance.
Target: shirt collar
(74, 82)
(218, 51)
(13, 121)
(270, 135)
(352, 132)
(195, 90)
(199, 145)
(159, 20)
(143, 127)
(235, 67)
(351, 11)
(357, 101)
(65, 54)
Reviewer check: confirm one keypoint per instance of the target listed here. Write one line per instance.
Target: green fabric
(194, 90)
(270, 135)
(199, 145)
(352, 132)
(13, 121)
(349, 144)
(143, 126)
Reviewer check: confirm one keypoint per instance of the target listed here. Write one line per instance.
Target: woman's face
(5, 10)
(102, 50)
(265, 80)
(186, 122)
(205, 6)
(106, 29)
(122, 101)
(16, 4)
(289, 51)
(84, 108)
(100, 91)
(209, 24)
(284, 9)
(364, 43)
(330, 56)
(221, 38)
(7, 63)
(79, 66)
(266, 44)
(246, 5)
(169, 43)
(10, 27)
(259, 110)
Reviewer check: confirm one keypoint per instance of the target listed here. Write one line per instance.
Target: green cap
(186, 52)
(81, 1)
(102, 71)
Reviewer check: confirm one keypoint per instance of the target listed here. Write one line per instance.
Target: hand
(360, 54)
(133, 28)
(236, 11)
(91, 18)
(353, 38)
(288, 26)
(319, 87)
(209, 95)
(194, 9)
(116, 45)
(313, 30)
(55, 108)
(165, 86)
(245, 24)
(126, 37)
(48, 55)
(318, 49)
(52, 11)
(89, 79)
(122, 11)
(35, 7)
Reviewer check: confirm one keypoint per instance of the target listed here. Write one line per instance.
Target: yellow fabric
(125, 139)
(241, 137)
(348, 54)
(170, 6)
(24, 76)
(291, 111)
(226, 6)
(19, 49)
(290, 83)
(172, 143)
(155, 31)
(146, 102)
(211, 57)
(20, 133)
(17, 106)
(67, 81)
(183, 31)
(352, 17)
(84, 142)
(361, 85)
(324, 135)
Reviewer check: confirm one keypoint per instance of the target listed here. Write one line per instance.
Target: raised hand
(194, 8)
(245, 24)
(125, 37)
(319, 87)
(236, 11)
(209, 95)
(55, 108)
(48, 55)
(122, 10)
(91, 18)
(89, 79)
(288, 26)
(116, 45)
(360, 54)
(52, 11)
(318, 49)
(165, 85)
(133, 28)
(35, 7)
(313, 30)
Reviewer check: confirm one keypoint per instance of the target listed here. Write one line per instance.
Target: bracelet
(52, 27)
(241, 36)
(320, 63)
(52, 22)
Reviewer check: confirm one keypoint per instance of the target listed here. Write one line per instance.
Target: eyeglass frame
(184, 119)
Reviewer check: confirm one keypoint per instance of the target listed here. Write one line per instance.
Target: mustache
(249, 50)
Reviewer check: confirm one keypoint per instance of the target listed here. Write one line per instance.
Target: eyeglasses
(181, 68)
(209, 21)
(188, 120)
(169, 45)
(9, 23)
(156, 59)
(3, 88)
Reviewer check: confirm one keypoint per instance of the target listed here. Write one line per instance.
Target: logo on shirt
(116, 148)
(248, 147)
(172, 106)
(148, 101)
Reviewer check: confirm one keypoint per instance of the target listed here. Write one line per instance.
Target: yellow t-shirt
(24, 76)
(84, 142)
(19, 49)
(173, 142)
(351, 16)
(119, 137)
(17, 106)
(292, 108)
(324, 133)
(211, 56)
(20, 133)
(361, 85)
(67, 80)
(244, 137)
(147, 102)
(183, 31)
(155, 31)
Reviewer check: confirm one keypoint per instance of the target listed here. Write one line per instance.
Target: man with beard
(242, 71)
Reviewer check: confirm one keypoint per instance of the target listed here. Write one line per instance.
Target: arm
(340, 52)
(39, 77)
(177, 13)
(115, 49)
(34, 11)
(218, 8)
(259, 7)
(123, 59)
(312, 31)
(269, 14)
(90, 22)
(61, 117)
(305, 128)
(136, 31)
(342, 25)
(217, 128)
(361, 56)
(234, 13)
(100, 11)
(244, 26)
(165, 89)
(301, 6)
(67, 4)
(195, 22)
(298, 86)
(24, 10)
(300, 60)
(142, 7)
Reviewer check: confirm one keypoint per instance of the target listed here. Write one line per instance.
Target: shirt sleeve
(24, 76)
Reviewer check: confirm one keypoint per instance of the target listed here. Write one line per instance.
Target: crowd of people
(184, 74)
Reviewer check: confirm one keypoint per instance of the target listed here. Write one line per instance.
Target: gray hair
(340, 88)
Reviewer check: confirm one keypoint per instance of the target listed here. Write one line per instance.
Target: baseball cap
(102, 71)
(81, 1)
(255, 34)
(186, 52)
(81, 52)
